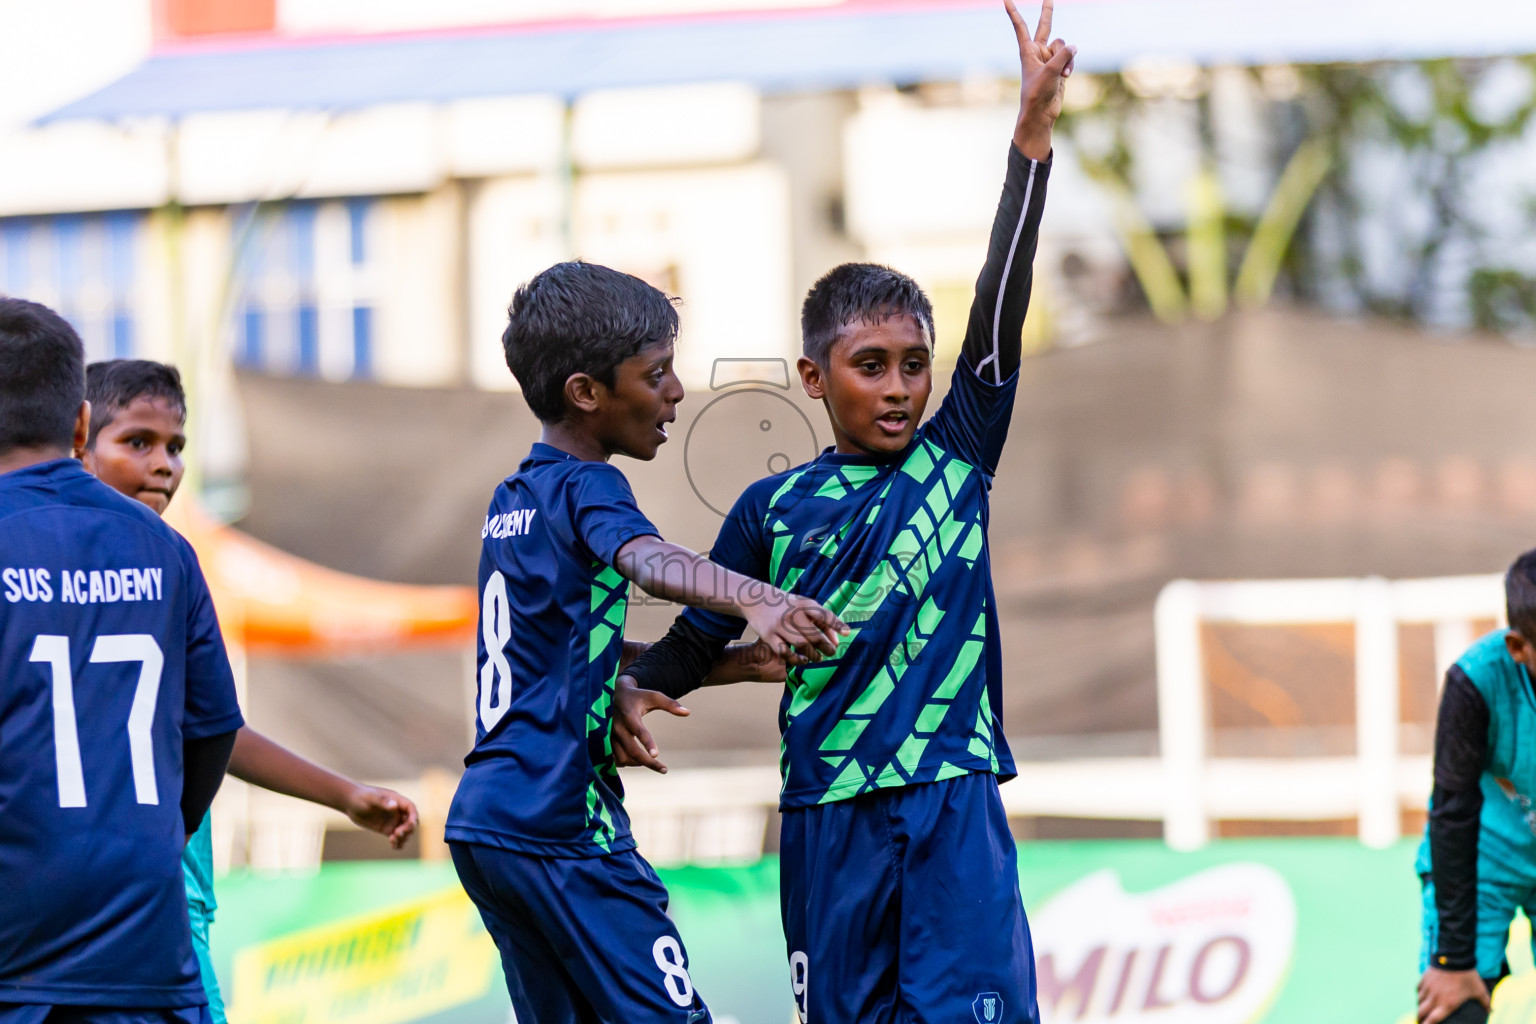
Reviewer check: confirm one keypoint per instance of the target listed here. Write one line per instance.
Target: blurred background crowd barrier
(1281, 335)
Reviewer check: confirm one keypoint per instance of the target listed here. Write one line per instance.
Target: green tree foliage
(1435, 123)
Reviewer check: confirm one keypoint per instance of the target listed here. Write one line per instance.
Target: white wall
(718, 238)
(76, 166)
(922, 189)
(665, 185)
(244, 156)
(514, 232)
(57, 51)
(419, 302)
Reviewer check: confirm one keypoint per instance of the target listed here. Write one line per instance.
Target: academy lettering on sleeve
(516, 523)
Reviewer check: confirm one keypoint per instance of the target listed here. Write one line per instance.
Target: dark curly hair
(580, 318)
(864, 292)
(42, 377)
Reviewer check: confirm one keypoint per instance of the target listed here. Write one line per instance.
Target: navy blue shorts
(902, 907)
(583, 940)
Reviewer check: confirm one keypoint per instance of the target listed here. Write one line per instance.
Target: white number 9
(799, 982)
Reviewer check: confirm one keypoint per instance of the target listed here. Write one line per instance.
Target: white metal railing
(690, 816)
(1377, 781)
(713, 815)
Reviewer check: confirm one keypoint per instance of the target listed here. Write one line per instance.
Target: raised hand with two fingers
(1044, 66)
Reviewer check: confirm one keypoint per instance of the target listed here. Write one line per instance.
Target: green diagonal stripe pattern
(610, 603)
(855, 754)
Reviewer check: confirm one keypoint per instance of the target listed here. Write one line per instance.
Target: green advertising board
(1279, 931)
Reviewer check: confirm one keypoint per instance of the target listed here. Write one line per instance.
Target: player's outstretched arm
(994, 332)
(203, 763)
(1455, 824)
(753, 662)
(785, 622)
(675, 666)
(722, 663)
(261, 762)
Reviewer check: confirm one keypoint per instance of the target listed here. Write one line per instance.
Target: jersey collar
(54, 469)
(832, 457)
(542, 452)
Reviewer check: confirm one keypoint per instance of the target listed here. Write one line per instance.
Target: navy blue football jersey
(110, 657)
(897, 547)
(541, 778)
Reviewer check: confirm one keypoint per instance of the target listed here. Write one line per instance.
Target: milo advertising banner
(1278, 931)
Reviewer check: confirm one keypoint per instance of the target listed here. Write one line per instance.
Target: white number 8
(800, 982)
(496, 627)
(669, 957)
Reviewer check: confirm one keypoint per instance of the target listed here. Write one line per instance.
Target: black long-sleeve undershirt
(203, 762)
(677, 663)
(1455, 818)
(994, 333)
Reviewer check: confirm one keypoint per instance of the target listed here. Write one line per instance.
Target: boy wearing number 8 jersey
(537, 827)
(118, 713)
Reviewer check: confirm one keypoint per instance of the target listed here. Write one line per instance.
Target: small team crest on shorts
(988, 1008)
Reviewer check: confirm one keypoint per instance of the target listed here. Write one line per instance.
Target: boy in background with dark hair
(1477, 862)
(137, 434)
(537, 827)
(118, 715)
(899, 880)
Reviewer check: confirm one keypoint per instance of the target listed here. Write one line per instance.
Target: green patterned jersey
(541, 777)
(898, 548)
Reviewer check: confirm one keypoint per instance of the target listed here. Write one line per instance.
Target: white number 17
(53, 651)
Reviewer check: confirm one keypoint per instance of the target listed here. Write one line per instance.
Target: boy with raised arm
(118, 715)
(899, 877)
(1477, 862)
(537, 828)
(137, 435)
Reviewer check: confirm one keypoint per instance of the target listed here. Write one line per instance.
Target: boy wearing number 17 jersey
(117, 712)
(138, 418)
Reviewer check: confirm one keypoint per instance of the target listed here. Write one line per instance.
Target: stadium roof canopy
(863, 42)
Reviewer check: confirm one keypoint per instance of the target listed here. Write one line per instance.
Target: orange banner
(272, 601)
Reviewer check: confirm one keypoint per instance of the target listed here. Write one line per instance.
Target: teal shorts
(1496, 906)
(201, 918)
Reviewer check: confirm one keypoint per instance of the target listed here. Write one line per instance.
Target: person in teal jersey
(1477, 862)
(135, 443)
(899, 876)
